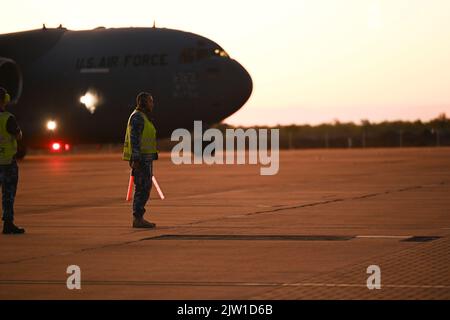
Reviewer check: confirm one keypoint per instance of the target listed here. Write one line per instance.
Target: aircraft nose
(228, 86)
(242, 85)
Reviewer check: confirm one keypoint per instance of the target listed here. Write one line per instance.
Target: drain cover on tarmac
(421, 239)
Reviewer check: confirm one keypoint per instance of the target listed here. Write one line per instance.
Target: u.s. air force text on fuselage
(128, 60)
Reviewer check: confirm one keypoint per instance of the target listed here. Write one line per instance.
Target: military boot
(142, 223)
(10, 228)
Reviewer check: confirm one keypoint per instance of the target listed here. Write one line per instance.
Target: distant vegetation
(365, 134)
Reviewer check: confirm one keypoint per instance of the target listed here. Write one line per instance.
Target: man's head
(4, 98)
(144, 101)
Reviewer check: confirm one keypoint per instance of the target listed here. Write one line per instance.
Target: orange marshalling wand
(130, 188)
(161, 195)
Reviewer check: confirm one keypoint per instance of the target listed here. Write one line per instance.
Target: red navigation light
(56, 146)
(67, 147)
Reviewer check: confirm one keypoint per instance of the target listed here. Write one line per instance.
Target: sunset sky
(311, 61)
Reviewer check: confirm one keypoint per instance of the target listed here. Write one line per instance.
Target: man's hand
(135, 164)
(19, 136)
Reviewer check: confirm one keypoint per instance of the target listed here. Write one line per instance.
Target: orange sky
(311, 61)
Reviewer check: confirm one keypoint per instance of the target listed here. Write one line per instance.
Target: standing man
(140, 150)
(9, 172)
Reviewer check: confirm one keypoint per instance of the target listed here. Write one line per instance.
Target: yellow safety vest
(8, 142)
(148, 138)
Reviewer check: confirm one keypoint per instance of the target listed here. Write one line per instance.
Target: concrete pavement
(225, 232)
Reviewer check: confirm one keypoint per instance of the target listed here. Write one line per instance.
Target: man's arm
(136, 126)
(13, 128)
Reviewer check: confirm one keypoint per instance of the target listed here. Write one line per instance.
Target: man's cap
(141, 96)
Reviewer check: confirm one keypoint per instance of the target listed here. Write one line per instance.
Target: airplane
(79, 87)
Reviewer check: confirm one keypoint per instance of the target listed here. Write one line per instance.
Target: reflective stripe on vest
(8, 142)
(148, 138)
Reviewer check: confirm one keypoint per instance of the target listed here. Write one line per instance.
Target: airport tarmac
(225, 232)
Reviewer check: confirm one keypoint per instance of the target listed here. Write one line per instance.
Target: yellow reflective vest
(8, 142)
(148, 138)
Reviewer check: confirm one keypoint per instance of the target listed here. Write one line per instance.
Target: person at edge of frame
(10, 133)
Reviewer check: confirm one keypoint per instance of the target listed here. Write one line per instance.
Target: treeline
(366, 134)
(351, 135)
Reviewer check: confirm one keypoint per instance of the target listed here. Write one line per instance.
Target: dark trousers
(142, 186)
(9, 176)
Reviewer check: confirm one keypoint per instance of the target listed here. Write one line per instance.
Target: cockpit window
(189, 55)
(221, 53)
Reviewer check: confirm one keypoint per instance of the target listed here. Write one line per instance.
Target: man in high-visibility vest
(9, 172)
(140, 150)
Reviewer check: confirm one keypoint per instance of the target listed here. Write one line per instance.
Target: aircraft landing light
(51, 125)
(90, 101)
